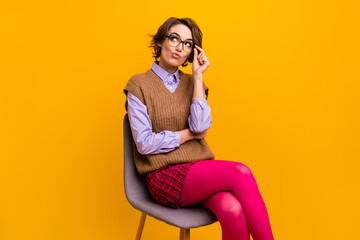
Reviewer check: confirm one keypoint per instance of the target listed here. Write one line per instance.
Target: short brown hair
(161, 34)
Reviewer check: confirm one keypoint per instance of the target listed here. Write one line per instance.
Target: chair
(139, 197)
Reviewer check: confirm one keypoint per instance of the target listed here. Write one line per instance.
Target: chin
(180, 61)
(176, 63)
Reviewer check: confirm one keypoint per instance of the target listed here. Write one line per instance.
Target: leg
(187, 234)
(182, 233)
(228, 210)
(208, 177)
(141, 226)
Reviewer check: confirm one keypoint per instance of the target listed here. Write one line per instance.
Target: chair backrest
(133, 181)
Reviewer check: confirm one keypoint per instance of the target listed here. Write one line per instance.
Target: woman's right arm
(148, 142)
(186, 135)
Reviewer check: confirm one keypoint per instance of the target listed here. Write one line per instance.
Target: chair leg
(181, 233)
(184, 234)
(187, 234)
(141, 226)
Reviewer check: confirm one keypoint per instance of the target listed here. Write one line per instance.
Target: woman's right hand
(187, 135)
(201, 135)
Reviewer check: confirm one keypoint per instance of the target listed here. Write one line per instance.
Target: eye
(188, 44)
(174, 39)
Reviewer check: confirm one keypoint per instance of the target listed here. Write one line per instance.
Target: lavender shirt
(148, 142)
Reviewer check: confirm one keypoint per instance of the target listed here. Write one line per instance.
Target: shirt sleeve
(200, 115)
(148, 142)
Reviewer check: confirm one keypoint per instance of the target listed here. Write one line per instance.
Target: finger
(195, 55)
(199, 48)
(203, 59)
(202, 56)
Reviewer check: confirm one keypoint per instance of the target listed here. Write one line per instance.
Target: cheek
(186, 56)
(165, 50)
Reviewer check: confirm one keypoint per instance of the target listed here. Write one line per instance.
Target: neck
(169, 69)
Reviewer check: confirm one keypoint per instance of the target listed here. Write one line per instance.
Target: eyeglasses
(175, 40)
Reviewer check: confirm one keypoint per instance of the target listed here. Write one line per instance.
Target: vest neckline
(162, 85)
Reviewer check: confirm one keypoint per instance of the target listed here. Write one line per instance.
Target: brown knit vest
(167, 111)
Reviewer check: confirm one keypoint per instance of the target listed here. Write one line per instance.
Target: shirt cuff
(201, 102)
(177, 139)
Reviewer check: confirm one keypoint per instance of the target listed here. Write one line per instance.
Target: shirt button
(200, 102)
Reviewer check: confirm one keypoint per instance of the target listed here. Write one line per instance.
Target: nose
(179, 47)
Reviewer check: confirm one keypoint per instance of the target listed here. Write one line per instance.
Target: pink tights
(229, 190)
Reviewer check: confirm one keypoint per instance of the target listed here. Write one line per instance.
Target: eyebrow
(180, 36)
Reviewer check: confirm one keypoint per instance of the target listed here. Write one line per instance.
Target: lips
(175, 55)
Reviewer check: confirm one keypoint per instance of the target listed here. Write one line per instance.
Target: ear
(159, 45)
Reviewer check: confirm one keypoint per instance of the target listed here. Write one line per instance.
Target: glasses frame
(183, 42)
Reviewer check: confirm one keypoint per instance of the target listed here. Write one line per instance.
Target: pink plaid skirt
(166, 184)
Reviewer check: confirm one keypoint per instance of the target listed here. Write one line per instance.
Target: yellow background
(284, 92)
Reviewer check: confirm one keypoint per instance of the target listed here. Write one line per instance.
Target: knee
(242, 170)
(243, 177)
(230, 206)
(230, 213)
(234, 210)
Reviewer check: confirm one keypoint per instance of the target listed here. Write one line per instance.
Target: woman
(169, 117)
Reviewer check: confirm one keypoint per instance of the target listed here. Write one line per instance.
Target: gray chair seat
(190, 217)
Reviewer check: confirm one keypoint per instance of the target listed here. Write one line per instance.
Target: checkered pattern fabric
(166, 184)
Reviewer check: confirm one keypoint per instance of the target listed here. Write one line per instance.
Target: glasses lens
(188, 46)
(174, 40)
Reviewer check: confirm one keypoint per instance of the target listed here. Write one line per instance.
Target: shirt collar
(162, 73)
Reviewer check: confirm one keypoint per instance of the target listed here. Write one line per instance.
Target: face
(172, 57)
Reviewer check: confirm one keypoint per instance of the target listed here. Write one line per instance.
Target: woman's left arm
(200, 112)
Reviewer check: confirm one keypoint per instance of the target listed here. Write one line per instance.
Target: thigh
(206, 178)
